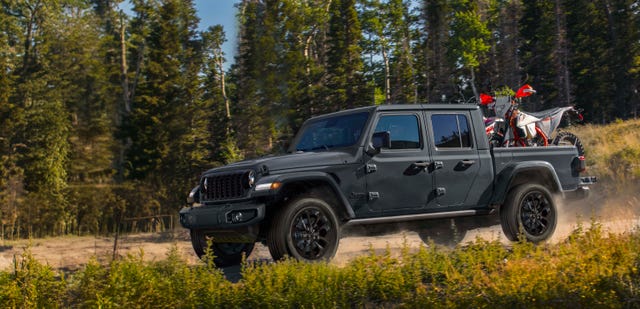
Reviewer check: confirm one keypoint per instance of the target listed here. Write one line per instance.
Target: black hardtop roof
(402, 107)
(434, 106)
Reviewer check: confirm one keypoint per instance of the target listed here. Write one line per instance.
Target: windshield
(326, 133)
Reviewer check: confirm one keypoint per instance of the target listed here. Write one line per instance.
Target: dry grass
(613, 154)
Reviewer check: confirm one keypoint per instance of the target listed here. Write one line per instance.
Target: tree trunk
(125, 109)
(562, 56)
(473, 85)
(387, 75)
(124, 77)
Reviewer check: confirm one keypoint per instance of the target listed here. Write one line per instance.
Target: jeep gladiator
(375, 165)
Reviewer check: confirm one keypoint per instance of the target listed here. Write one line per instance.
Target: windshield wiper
(325, 147)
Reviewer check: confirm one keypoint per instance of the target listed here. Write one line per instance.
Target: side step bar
(416, 217)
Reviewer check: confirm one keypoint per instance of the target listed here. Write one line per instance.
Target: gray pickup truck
(375, 165)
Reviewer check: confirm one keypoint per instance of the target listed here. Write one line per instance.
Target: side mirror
(379, 140)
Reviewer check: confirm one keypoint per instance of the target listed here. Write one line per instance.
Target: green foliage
(346, 82)
(470, 38)
(591, 268)
(169, 283)
(31, 285)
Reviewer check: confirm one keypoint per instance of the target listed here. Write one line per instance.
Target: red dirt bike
(520, 129)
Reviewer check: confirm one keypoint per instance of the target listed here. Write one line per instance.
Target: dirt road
(71, 253)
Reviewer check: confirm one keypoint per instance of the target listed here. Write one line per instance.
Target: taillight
(580, 164)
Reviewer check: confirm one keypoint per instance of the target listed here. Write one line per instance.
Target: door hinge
(438, 165)
(374, 196)
(358, 195)
(370, 168)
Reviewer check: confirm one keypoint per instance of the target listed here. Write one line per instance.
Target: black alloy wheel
(312, 233)
(536, 213)
(306, 229)
(530, 209)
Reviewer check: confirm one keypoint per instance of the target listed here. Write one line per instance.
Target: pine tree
(162, 104)
(590, 58)
(345, 66)
(503, 66)
(378, 45)
(38, 143)
(469, 42)
(438, 73)
(304, 25)
(11, 176)
(404, 82)
(387, 35)
(622, 18)
(214, 115)
(544, 54)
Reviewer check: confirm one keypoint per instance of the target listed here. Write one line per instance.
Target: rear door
(455, 159)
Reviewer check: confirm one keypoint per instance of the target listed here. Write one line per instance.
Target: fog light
(241, 216)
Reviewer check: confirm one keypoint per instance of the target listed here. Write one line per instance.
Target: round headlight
(250, 179)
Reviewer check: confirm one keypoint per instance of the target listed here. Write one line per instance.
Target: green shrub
(31, 285)
(134, 283)
(590, 269)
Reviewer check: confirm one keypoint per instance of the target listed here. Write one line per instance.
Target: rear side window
(451, 131)
(404, 132)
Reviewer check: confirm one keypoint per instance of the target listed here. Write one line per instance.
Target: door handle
(467, 162)
(435, 165)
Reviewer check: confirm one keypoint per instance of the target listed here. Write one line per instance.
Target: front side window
(404, 132)
(331, 132)
(451, 131)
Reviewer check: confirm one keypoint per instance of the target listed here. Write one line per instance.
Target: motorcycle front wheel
(569, 139)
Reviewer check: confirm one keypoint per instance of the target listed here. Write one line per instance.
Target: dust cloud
(617, 215)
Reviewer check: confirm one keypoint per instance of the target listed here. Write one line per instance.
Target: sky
(222, 12)
(214, 12)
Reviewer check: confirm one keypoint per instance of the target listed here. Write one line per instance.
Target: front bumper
(222, 217)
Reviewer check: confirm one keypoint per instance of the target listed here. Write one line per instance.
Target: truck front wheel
(306, 229)
(225, 254)
(529, 208)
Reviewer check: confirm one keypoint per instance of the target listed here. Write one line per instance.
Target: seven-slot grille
(223, 187)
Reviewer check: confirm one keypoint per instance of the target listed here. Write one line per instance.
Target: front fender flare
(264, 186)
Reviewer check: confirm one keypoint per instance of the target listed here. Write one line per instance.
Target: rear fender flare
(514, 174)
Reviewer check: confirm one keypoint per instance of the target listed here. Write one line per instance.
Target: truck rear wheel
(529, 208)
(306, 229)
(225, 254)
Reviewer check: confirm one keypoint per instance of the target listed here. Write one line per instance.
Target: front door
(398, 180)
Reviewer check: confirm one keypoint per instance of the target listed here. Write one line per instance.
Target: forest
(108, 118)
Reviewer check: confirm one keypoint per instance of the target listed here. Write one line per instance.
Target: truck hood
(288, 162)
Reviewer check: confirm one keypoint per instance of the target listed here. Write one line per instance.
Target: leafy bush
(31, 285)
(591, 268)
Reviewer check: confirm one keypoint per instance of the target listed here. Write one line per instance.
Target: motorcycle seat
(547, 112)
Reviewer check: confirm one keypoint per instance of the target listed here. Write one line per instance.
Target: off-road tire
(225, 254)
(306, 229)
(567, 139)
(445, 232)
(530, 209)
